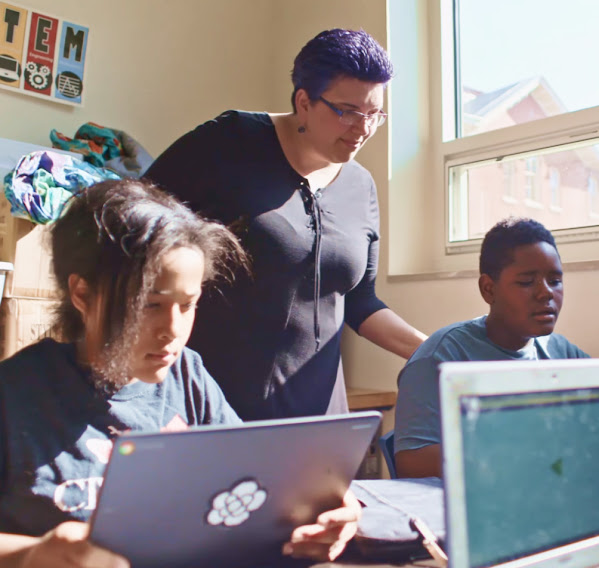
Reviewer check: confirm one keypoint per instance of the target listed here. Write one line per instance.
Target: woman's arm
(66, 545)
(389, 331)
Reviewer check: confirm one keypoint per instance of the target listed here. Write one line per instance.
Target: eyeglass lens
(351, 117)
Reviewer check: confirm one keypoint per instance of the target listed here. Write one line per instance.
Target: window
(554, 188)
(513, 69)
(542, 176)
(509, 181)
(531, 180)
(593, 191)
(520, 117)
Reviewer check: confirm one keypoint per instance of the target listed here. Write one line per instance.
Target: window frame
(593, 194)
(555, 187)
(509, 183)
(575, 126)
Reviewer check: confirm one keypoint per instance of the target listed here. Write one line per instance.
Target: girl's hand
(67, 546)
(328, 537)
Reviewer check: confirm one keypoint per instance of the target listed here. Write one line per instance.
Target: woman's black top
(272, 340)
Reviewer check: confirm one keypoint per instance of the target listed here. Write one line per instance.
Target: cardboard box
(24, 321)
(22, 242)
(5, 268)
(26, 246)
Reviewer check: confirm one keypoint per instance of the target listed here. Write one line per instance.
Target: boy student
(521, 280)
(129, 262)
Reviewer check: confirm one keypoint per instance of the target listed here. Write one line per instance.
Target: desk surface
(419, 564)
(362, 399)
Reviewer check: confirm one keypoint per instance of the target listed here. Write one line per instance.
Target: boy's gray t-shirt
(417, 420)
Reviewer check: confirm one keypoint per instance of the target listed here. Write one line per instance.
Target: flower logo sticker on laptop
(233, 507)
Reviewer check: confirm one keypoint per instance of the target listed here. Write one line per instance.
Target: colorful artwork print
(71, 63)
(42, 55)
(12, 44)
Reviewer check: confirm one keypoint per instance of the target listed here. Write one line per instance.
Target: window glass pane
(557, 186)
(522, 60)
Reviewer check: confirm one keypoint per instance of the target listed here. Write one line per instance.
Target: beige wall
(156, 68)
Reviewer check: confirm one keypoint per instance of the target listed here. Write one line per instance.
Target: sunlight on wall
(409, 123)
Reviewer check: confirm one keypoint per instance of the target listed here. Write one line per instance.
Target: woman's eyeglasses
(353, 117)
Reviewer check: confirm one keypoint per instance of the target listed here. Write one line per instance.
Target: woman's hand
(67, 545)
(328, 537)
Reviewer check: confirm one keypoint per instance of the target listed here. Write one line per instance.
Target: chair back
(386, 445)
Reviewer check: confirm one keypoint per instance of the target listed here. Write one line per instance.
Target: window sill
(579, 266)
(533, 204)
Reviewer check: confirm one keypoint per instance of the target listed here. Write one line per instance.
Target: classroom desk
(419, 564)
(346, 565)
(368, 399)
(383, 517)
(349, 563)
(383, 401)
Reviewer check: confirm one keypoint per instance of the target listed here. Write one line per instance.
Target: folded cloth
(43, 181)
(134, 159)
(107, 147)
(385, 531)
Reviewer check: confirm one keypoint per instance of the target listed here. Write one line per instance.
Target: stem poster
(42, 55)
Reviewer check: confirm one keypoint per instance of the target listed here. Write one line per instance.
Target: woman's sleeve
(362, 301)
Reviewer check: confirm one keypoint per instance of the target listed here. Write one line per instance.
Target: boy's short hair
(497, 250)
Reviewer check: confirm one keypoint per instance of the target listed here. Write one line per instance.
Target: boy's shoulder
(556, 346)
(453, 340)
(473, 327)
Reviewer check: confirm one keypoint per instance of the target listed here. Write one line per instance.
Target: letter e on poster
(40, 54)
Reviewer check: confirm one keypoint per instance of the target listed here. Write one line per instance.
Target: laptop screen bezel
(460, 379)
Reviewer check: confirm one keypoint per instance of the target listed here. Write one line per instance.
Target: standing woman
(307, 214)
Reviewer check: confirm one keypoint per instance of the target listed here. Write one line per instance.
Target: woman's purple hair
(339, 53)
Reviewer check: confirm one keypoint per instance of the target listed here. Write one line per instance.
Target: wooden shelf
(362, 399)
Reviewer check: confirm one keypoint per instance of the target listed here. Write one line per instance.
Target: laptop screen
(531, 471)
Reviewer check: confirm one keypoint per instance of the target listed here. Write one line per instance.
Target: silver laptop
(224, 495)
(521, 463)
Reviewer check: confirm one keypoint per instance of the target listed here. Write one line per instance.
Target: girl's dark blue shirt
(56, 429)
